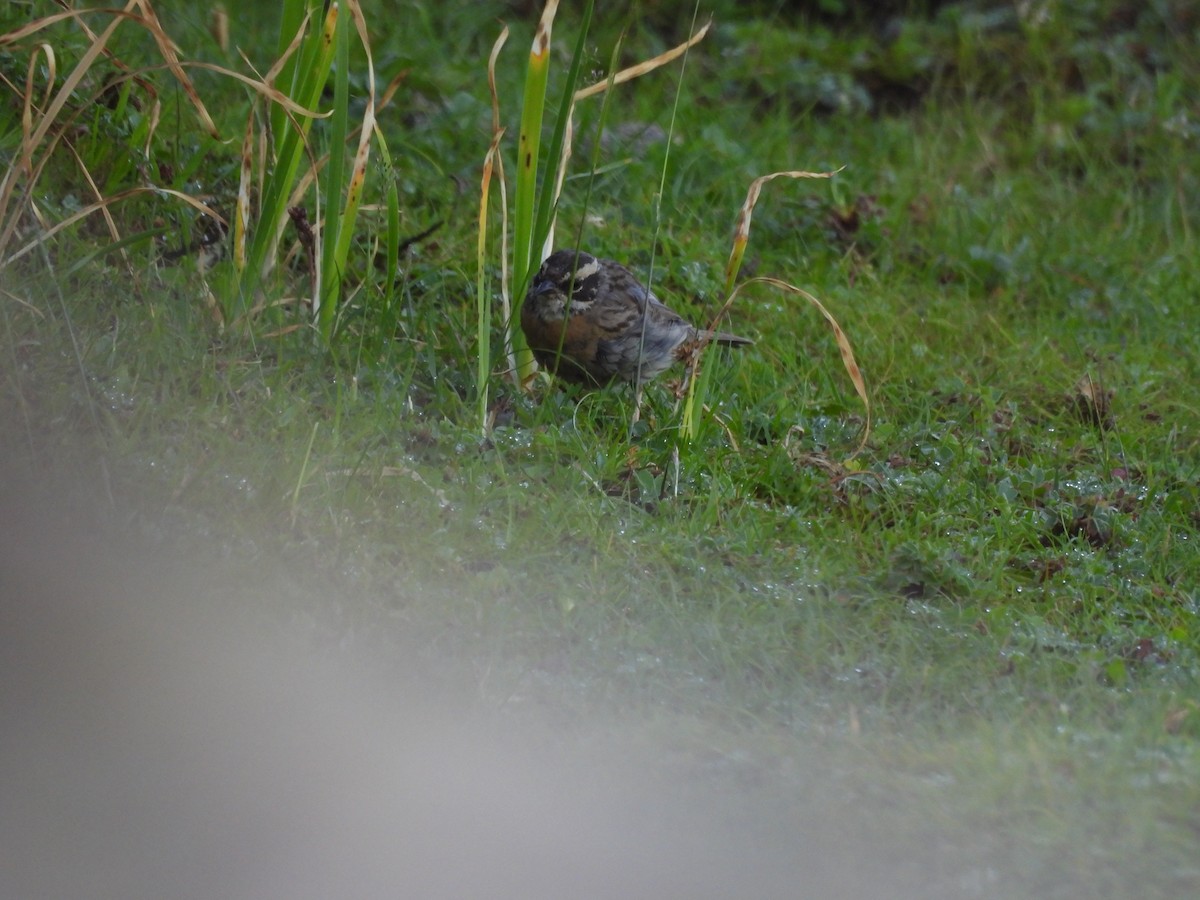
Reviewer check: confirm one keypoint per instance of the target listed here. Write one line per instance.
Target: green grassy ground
(989, 618)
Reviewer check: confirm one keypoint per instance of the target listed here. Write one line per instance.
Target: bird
(590, 321)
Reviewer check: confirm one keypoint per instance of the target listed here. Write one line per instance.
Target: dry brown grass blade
(170, 53)
(366, 129)
(506, 304)
(46, 124)
(36, 131)
(496, 158)
(362, 156)
(358, 175)
(104, 203)
(34, 139)
(42, 132)
(491, 70)
(263, 305)
(285, 330)
(741, 231)
(643, 67)
(541, 37)
(241, 218)
(843, 343)
(394, 85)
(19, 34)
(109, 221)
(218, 26)
(27, 107)
(148, 19)
(600, 87)
(384, 99)
(22, 302)
(293, 45)
(261, 87)
(78, 16)
(560, 177)
(117, 63)
(155, 116)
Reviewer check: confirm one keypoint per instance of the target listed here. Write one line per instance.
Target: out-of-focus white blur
(160, 740)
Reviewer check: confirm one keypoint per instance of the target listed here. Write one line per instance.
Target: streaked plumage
(595, 337)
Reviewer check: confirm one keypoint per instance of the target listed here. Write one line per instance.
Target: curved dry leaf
(362, 155)
(241, 220)
(843, 342)
(643, 67)
(491, 75)
(293, 45)
(541, 38)
(104, 204)
(170, 53)
(12, 37)
(266, 90)
(741, 229)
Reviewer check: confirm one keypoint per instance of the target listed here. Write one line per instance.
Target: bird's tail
(725, 338)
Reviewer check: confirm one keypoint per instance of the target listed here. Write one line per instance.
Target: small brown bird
(609, 328)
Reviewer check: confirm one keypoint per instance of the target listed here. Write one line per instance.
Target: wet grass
(990, 615)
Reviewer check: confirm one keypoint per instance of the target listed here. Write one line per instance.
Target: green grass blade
(555, 149)
(86, 259)
(594, 163)
(529, 147)
(292, 14)
(392, 240)
(332, 264)
(494, 160)
(483, 296)
(312, 73)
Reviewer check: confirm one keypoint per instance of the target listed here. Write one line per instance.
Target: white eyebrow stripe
(586, 271)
